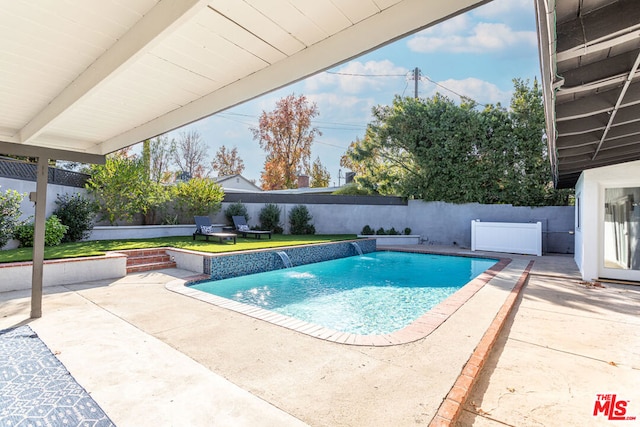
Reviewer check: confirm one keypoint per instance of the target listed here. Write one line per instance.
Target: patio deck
(149, 356)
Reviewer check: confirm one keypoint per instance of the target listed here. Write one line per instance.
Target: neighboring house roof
(237, 183)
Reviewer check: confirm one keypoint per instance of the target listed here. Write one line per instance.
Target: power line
(414, 75)
(365, 75)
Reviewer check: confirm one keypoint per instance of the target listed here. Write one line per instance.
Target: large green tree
(435, 149)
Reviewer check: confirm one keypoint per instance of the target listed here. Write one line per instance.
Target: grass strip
(100, 247)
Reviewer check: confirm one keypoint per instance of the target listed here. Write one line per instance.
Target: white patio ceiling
(94, 76)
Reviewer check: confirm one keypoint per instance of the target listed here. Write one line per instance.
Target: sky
(476, 54)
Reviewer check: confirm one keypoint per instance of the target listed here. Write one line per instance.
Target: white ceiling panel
(256, 23)
(325, 15)
(356, 10)
(291, 20)
(234, 33)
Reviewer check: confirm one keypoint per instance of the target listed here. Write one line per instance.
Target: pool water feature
(286, 261)
(378, 293)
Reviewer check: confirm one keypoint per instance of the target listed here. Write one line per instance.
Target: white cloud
(484, 37)
(480, 91)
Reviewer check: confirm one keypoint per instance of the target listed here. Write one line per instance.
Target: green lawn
(99, 247)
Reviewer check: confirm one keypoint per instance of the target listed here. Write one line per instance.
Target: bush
(367, 231)
(236, 209)
(392, 232)
(198, 196)
(53, 234)
(9, 213)
(351, 189)
(381, 232)
(407, 231)
(120, 188)
(270, 218)
(299, 218)
(76, 212)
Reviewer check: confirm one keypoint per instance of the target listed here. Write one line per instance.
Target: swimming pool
(378, 293)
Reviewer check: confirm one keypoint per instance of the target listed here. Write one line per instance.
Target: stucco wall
(27, 207)
(438, 223)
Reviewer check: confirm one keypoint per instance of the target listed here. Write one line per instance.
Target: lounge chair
(242, 228)
(204, 228)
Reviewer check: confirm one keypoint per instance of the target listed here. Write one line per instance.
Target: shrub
(236, 209)
(367, 231)
(299, 218)
(159, 206)
(76, 212)
(392, 232)
(351, 189)
(407, 231)
(53, 234)
(270, 218)
(9, 213)
(381, 232)
(198, 196)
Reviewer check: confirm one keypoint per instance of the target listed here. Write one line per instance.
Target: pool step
(139, 260)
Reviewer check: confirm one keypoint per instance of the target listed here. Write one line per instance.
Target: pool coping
(451, 407)
(418, 329)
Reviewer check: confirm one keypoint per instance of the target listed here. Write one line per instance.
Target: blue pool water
(377, 293)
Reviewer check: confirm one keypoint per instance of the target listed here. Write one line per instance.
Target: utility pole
(415, 78)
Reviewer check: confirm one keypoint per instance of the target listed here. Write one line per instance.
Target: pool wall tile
(233, 265)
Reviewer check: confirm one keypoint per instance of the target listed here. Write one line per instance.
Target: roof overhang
(590, 58)
(94, 76)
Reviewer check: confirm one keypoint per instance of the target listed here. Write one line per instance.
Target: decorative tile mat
(37, 390)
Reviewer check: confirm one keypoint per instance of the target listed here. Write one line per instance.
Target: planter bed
(390, 240)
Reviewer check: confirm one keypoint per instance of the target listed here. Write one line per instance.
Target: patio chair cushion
(207, 229)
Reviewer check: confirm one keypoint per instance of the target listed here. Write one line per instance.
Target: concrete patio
(151, 357)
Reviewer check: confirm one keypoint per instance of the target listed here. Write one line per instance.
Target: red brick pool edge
(450, 409)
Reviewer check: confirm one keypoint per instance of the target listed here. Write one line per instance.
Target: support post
(38, 237)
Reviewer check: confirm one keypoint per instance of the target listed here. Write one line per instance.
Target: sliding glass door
(621, 238)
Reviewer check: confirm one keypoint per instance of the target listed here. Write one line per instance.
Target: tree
(158, 157)
(320, 176)
(227, 162)
(433, 149)
(120, 187)
(189, 152)
(286, 135)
